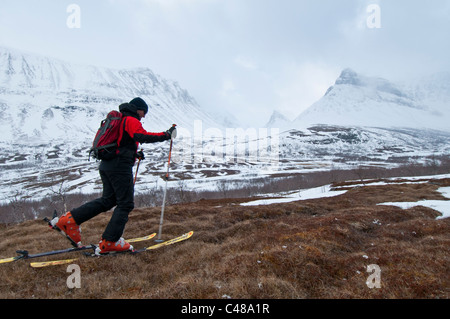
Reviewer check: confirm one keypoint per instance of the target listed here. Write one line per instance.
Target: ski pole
(165, 190)
(137, 168)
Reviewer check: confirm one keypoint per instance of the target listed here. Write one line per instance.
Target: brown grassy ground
(308, 249)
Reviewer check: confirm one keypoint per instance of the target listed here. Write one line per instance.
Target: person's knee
(126, 206)
(108, 203)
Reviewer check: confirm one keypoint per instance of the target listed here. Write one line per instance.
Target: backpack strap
(122, 130)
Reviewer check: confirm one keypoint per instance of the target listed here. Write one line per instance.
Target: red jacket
(133, 128)
(130, 136)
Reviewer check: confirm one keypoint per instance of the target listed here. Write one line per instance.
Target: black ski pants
(118, 190)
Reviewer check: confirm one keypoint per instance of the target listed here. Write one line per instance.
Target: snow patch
(317, 192)
(442, 206)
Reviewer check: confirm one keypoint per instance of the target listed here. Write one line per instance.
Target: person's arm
(134, 128)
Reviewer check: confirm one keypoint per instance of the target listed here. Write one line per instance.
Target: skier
(118, 185)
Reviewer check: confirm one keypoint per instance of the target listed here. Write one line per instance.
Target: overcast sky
(249, 57)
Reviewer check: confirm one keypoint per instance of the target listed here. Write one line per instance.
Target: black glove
(172, 132)
(140, 155)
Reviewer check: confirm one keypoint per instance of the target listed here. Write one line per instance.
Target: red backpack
(107, 139)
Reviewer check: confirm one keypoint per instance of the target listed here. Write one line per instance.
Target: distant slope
(42, 99)
(358, 100)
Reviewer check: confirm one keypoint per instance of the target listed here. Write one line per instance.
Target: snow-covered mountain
(358, 100)
(50, 110)
(278, 120)
(44, 99)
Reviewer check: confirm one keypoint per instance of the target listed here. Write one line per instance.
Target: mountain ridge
(38, 93)
(359, 100)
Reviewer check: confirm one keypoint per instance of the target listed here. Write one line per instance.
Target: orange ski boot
(68, 227)
(109, 247)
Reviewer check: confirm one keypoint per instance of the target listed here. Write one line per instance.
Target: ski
(169, 242)
(135, 240)
(67, 261)
(24, 254)
(52, 263)
(137, 251)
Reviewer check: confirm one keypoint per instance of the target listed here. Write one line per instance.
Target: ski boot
(67, 227)
(106, 247)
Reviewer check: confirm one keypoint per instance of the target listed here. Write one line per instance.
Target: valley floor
(340, 247)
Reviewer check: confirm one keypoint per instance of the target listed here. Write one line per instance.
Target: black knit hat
(140, 104)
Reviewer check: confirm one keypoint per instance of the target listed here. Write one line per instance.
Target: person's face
(141, 114)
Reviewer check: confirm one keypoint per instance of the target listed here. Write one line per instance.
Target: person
(118, 185)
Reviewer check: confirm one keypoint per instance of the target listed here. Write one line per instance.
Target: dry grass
(307, 249)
